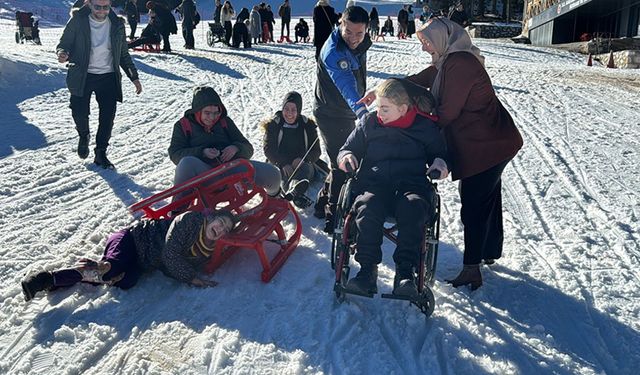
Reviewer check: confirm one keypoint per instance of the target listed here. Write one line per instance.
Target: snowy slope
(564, 299)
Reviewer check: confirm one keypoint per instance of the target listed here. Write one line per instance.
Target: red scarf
(408, 119)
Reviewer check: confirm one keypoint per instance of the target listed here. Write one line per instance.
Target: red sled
(264, 220)
(155, 48)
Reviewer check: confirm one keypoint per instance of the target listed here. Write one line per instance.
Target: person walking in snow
(374, 23)
(207, 137)
(480, 133)
(393, 151)
(94, 45)
(291, 144)
(179, 247)
(216, 12)
(388, 26)
(341, 81)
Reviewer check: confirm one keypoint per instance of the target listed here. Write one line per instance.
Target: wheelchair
(343, 247)
(27, 28)
(215, 34)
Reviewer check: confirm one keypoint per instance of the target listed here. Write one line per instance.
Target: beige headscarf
(446, 37)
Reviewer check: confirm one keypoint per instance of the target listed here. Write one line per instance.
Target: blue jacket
(342, 78)
(394, 158)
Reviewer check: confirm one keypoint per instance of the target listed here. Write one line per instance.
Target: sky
(564, 298)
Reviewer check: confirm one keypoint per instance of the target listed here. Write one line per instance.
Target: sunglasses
(101, 7)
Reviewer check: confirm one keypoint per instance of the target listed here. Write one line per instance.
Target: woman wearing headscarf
(481, 137)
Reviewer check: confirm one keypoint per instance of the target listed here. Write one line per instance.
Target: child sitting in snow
(206, 137)
(394, 148)
(289, 136)
(179, 248)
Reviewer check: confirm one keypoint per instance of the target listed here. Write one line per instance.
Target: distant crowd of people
(256, 25)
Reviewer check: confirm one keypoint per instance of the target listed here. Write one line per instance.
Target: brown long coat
(479, 131)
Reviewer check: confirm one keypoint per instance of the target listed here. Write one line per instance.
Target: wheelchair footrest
(340, 289)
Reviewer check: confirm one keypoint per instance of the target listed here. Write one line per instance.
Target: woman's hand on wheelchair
(439, 165)
(348, 163)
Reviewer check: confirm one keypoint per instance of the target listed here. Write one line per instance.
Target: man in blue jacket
(342, 78)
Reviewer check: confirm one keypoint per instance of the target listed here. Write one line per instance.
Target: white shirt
(100, 57)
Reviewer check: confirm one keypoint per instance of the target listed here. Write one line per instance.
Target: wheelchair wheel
(37, 41)
(17, 37)
(427, 302)
(211, 40)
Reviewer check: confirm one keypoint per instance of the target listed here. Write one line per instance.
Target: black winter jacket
(394, 158)
(76, 42)
(273, 139)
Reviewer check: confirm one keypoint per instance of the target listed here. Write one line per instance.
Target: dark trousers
(227, 32)
(166, 45)
(120, 252)
(106, 89)
(305, 172)
(334, 132)
(481, 215)
(134, 25)
(410, 208)
(285, 24)
(187, 34)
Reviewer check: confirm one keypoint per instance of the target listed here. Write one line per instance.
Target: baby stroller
(27, 28)
(343, 246)
(215, 34)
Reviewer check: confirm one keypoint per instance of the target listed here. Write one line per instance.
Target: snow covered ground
(565, 298)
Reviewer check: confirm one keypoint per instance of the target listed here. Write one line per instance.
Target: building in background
(564, 21)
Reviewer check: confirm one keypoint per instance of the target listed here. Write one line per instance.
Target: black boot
(470, 275)
(36, 283)
(83, 146)
(321, 202)
(365, 281)
(101, 159)
(404, 283)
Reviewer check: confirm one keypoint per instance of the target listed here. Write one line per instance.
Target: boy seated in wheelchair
(393, 150)
(290, 143)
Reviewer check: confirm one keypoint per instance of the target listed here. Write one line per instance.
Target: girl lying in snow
(178, 247)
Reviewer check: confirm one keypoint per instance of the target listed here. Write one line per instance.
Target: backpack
(185, 124)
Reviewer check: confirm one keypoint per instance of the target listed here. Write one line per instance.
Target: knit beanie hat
(204, 96)
(295, 98)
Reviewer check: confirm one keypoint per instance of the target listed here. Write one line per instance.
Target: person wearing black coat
(188, 8)
(411, 23)
(241, 34)
(291, 144)
(166, 23)
(324, 20)
(285, 18)
(302, 31)
(133, 17)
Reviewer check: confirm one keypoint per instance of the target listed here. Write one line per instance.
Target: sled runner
(265, 222)
(155, 48)
(343, 246)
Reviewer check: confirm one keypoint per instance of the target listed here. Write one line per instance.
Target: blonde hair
(397, 91)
